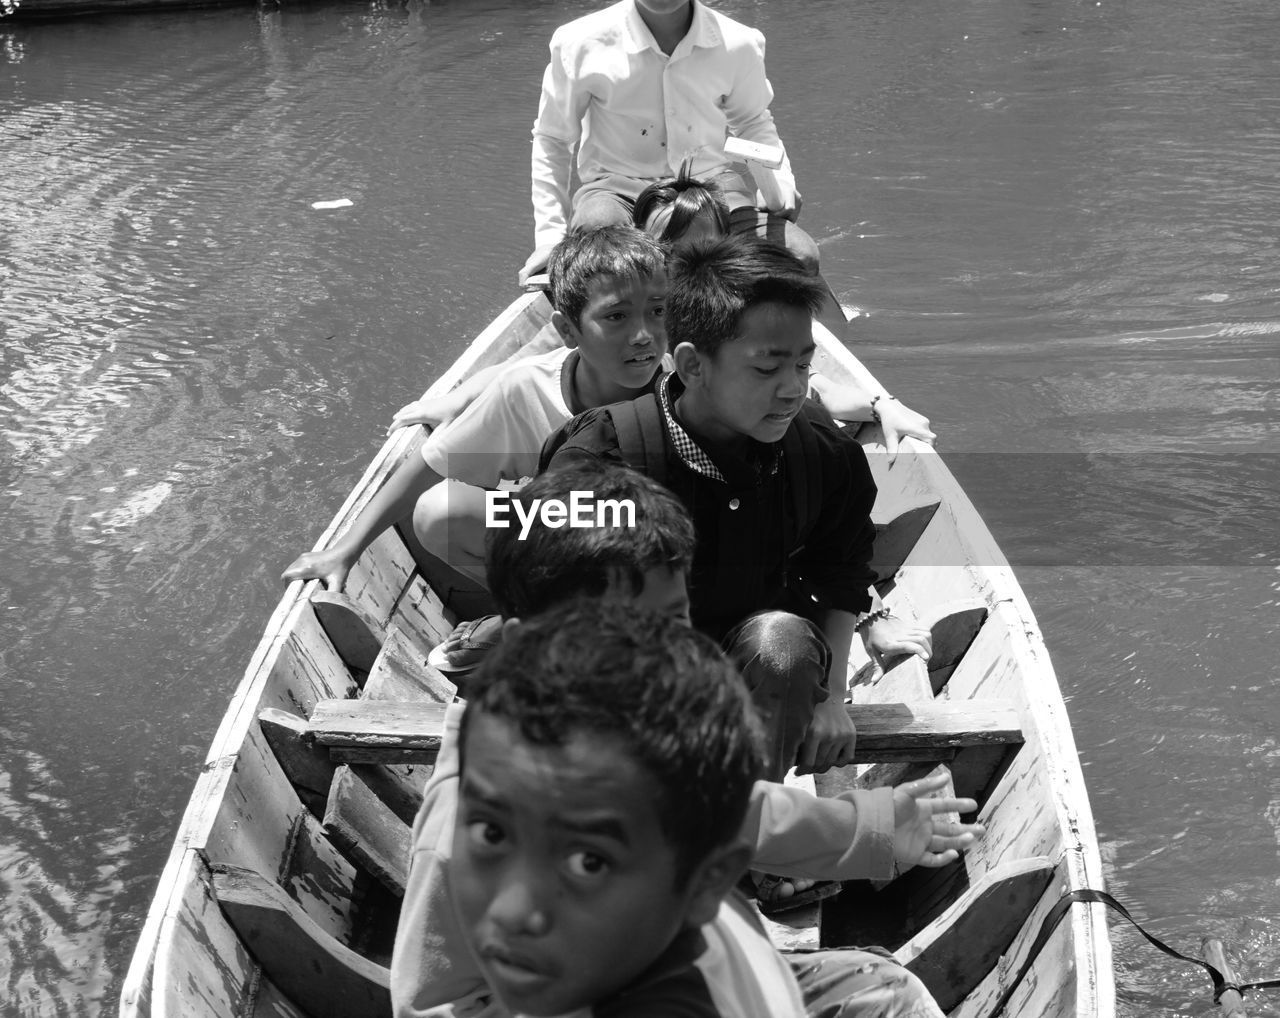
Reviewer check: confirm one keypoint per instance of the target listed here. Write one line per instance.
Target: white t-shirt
(499, 436)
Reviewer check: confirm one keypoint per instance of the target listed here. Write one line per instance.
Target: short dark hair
(653, 685)
(553, 565)
(618, 251)
(687, 198)
(710, 285)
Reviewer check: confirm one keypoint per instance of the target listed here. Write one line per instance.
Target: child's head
(607, 758)
(711, 285)
(682, 209)
(609, 289)
(740, 317)
(645, 564)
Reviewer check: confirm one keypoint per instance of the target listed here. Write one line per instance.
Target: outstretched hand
(899, 421)
(329, 567)
(920, 836)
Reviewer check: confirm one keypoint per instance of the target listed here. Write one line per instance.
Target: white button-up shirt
(635, 114)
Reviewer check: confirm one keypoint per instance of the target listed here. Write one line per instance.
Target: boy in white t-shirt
(609, 290)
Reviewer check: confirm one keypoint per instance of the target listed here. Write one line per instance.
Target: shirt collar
(765, 461)
(703, 30)
(695, 458)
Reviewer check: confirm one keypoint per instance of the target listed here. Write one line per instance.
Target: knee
(804, 247)
(601, 208)
(448, 520)
(777, 642)
(431, 520)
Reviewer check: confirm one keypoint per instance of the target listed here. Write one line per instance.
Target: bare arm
(393, 502)
(852, 402)
(435, 411)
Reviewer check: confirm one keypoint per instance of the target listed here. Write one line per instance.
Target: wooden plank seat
(979, 758)
(399, 672)
(925, 731)
(371, 806)
(311, 967)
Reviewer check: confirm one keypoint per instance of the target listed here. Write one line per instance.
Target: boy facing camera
(861, 834)
(605, 766)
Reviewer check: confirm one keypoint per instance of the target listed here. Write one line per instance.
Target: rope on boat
(1088, 894)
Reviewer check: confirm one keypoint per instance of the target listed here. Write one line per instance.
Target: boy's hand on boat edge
(535, 263)
(893, 637)
(830, 740)
(922, 837)
(430, 412)
(329, 567)
(899, 421)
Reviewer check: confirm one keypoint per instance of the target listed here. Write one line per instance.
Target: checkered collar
(693, 455)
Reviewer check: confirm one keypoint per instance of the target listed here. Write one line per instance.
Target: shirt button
(734, 503)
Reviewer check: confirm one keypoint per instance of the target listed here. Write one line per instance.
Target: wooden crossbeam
(368, 830)
(926, 731)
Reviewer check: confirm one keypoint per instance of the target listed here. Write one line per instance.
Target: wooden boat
(280, 896)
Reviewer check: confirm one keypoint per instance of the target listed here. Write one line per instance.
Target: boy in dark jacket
(780, 496)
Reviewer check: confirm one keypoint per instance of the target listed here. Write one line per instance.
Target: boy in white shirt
(637, 89)
(609, 289)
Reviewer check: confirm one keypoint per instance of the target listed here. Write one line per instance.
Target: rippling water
(1060, 216)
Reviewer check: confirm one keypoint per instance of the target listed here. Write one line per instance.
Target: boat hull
(254, 812)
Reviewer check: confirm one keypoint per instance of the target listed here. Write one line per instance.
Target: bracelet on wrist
(875, 413)
(870, 617)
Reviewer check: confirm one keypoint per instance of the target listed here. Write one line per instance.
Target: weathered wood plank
(378, 724)
(397, 784)
(326, 978)
(423, 616)
(272, 1003)
(954, 953)
(378, 578)
(368, 830)
(263, 825)
(401, 672)
(305, 764)
(205, 970)
(886, 731)
(924, 730)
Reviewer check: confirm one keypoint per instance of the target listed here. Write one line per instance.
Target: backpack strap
(642, 435)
